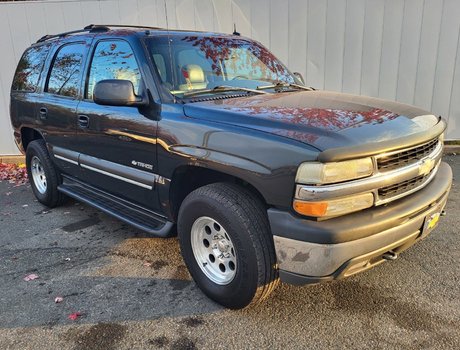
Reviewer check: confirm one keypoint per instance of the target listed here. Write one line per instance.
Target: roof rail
(93, 28)
(126, 26)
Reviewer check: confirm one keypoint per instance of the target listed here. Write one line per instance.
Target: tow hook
(390, 255)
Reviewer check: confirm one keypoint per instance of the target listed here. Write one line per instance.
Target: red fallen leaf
(13, 173)
(31, 277)
(58, 300)
(74, 316)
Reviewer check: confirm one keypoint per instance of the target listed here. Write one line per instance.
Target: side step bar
(132, 214)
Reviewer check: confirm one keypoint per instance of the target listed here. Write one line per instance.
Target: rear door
(58, 106)
(117, 145)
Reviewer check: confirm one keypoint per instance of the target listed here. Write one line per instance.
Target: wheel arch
(187, 178)
(28, 135)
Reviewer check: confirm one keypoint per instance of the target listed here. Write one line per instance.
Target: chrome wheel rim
(38, 174)
(213, 250)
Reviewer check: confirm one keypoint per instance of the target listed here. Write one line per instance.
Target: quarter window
(113, 60)
(64, 78)
(29, 68)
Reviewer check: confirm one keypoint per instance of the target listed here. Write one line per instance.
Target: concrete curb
(452, 149)
(13, 159)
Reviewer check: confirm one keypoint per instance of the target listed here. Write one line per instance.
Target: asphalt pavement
(129, 291)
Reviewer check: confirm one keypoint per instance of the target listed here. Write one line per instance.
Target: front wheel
(227, 245)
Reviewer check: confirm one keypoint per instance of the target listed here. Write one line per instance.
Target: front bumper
(315, 251)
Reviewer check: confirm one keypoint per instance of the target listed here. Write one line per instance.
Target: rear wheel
(227, 245)
(43, 175)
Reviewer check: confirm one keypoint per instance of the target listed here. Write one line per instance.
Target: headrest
(193, 73)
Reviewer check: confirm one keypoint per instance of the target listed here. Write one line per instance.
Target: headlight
(334, 207)
(326, 173)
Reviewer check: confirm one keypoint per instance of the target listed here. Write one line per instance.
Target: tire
(43, 176)
(242, 224)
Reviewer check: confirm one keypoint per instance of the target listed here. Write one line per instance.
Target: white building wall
(404, 50)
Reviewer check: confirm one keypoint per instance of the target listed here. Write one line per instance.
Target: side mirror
(116, 92)
(300, 77)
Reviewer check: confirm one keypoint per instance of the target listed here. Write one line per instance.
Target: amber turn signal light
(310, 208)
(334, 207)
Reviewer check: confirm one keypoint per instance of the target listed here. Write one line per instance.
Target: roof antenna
(234, 30)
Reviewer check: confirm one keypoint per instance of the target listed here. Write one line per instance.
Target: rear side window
(113, 59)
(29, 68)
(64, 77)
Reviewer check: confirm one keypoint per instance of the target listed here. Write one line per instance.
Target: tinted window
(64, 78)
(29, 68)
(204, 62)
(113, 60)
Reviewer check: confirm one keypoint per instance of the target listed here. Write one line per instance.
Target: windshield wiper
(221, 88)
(284, 85)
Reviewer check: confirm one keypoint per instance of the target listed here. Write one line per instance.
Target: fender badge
(142, 165)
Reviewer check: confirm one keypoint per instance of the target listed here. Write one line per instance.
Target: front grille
(406, 157)
(402, 187)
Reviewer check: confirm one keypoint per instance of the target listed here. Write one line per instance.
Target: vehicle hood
(321, 119)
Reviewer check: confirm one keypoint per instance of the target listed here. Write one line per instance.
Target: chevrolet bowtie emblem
(426, 166)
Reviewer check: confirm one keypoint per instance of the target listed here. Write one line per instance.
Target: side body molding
(121, 172)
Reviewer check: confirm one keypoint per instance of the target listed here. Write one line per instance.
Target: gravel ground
(134, 292)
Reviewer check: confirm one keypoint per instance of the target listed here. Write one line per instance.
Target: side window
(161, 65)
(64, 77)
(113, 59)
(29, 68)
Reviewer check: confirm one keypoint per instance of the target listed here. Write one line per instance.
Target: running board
(132, 214)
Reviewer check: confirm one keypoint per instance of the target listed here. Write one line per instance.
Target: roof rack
(126, 26)
(92, 28)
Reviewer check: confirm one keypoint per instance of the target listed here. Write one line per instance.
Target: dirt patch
(183, 343)
(158, 264)
(193, 322)
(102, 336)
(159, 342)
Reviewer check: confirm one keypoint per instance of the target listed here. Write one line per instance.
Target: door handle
(43, 113)
(83, 121)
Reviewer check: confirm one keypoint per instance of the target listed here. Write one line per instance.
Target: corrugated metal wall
(405, 50)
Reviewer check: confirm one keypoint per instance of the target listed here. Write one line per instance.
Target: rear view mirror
(300, 77)
(116, 92)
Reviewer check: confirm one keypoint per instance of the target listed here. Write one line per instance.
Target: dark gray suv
(211, 137)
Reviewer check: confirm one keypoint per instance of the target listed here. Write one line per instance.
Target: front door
(117, 145)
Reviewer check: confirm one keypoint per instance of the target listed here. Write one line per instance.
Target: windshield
(206, 62)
